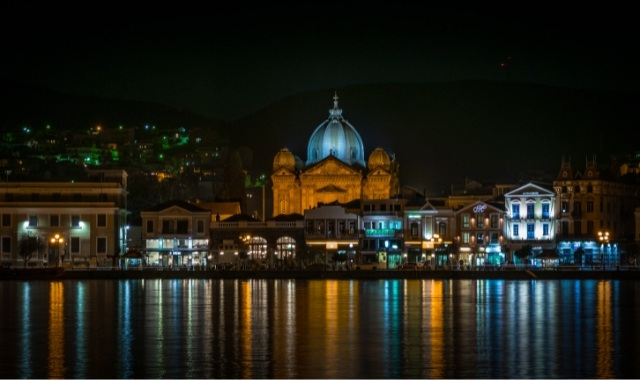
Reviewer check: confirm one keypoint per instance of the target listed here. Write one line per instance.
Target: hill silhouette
(444, 132)
(439, 132)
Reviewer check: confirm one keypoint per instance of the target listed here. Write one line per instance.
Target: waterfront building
(530, 219)
(335, 170)
(596, 208)
(70, 224)
(479, 236)
(175, 234)
(243, 241)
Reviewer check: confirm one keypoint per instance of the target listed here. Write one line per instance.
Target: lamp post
(56, 240)
(603, 237)
(435, 241)
(246, 239)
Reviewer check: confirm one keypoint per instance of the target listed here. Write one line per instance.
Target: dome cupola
(284, 159)
(379, 159)
(336, 137)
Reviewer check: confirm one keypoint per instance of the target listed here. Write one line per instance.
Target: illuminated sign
(381, 232)
(479, 209)
(530, 193)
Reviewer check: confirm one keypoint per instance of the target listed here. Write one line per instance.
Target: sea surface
(292, 328)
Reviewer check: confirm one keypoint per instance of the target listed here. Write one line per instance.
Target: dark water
(320, 329)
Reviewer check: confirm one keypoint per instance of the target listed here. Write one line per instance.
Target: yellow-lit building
(335, 170)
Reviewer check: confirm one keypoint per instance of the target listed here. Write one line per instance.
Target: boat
(31, 273)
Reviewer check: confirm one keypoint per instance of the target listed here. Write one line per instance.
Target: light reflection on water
(319, 329)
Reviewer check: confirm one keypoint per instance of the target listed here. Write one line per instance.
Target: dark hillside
(440, 132)
(443, 132)
(23, 104)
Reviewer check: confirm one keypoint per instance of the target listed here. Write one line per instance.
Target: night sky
(228, 62)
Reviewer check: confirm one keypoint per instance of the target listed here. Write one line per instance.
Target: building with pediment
(531, 218)
(335, 170)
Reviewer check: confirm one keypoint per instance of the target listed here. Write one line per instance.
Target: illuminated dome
(379, 158)
(336, 137)
(284, 159)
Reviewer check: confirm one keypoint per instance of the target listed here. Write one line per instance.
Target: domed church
(335, 169)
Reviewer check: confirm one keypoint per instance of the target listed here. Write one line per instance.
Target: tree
(28, 245)
(339, 257)
(633, 252)
(524, 252)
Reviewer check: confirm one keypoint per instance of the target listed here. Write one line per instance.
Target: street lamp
(603, 237)
(435, 240)
(56, 240)
(246, 239)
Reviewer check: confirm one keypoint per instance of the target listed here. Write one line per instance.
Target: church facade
(335, 170)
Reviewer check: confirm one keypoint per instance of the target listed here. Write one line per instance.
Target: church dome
(336, 137)
(379, 158)
(284, 159)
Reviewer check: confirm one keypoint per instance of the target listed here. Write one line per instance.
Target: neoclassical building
(335, 169)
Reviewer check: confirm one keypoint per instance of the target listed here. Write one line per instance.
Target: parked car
(366, 266)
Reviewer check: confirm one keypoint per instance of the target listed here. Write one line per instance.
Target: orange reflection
(56, 369)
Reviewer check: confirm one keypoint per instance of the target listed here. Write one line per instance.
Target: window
(465, 238)
(480, 237)
(545, 229)
(352, 228)
(545, 210)
(75, 244)
(102, 220)
(530, 213)
(6, 220)
(309, 227)
(515, 211)
(531, 231)
(466, 221)
(577, 206)
(495, 221)
(101, 246)
(149, 226)
(320, 227)
(166, 227)
(577, 225)
(516, 230)
(493, 239)
(414, 229)
(480, 219)
(590, 229)
(183, 227)
(75, 220)
(565, 206)
(442, 229)
(54, 220)
(200, 226)
(590, 207)
(330, 228)
(6, 244)
(33, 221)
(341, 227)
